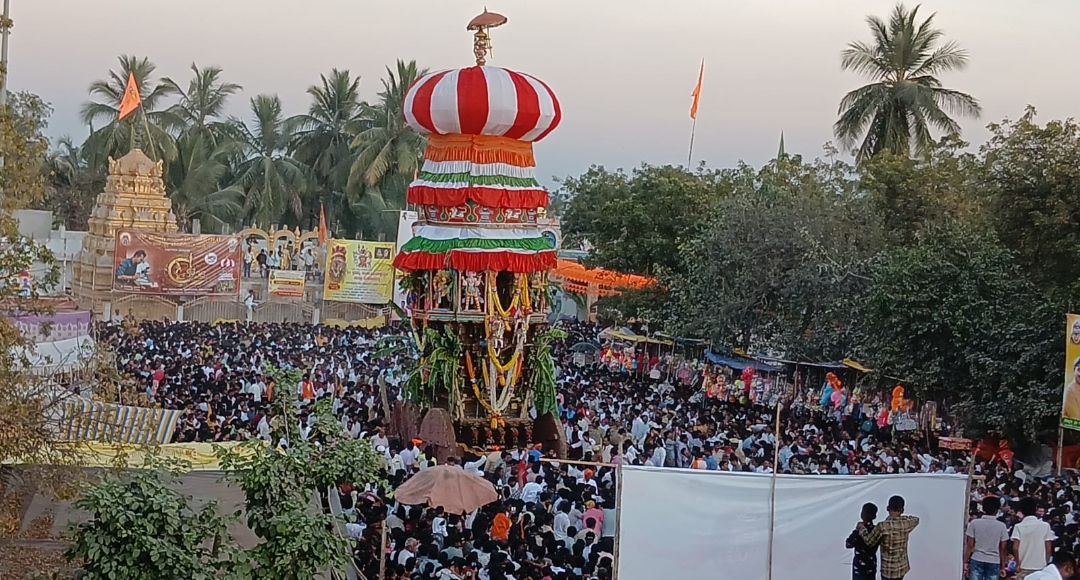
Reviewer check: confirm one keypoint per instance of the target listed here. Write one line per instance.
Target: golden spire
(481, 41)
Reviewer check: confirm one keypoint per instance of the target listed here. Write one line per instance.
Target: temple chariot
(476, 270)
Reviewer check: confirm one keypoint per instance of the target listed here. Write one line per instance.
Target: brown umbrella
(449, 487)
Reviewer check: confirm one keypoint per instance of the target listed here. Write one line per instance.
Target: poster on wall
(176, 264)
(1070, 400)
(359, 272)
(287, 283)
(406, 231)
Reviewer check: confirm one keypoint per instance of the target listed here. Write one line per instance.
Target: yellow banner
(287, 283)
(360, 272)
(1070, 400)
(200, 456)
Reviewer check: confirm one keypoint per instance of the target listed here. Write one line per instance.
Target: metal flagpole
(149, 138)
(690, 155)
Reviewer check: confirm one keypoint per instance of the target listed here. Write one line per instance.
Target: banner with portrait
(1070, 399)
(176, 264)
(287, 283)
(359, 272)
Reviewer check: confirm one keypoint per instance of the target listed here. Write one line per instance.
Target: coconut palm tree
(272, 181)
(388, 153)
(897, 111)
(322, 138)
(115, 137)
(70, 185)
(202, 104)
(196, 183)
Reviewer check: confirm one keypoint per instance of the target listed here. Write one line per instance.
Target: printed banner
(405, 232)
(287, 283)
(176, 264)
(1070, 400)
(359, 272)
(43, 327)
(954, 443)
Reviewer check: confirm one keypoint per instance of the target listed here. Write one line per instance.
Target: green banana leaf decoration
(543, 372)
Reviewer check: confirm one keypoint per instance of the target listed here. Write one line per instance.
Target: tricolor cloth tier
(477, 190)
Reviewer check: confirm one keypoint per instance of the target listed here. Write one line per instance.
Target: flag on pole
(697, 91)
(131, 99)
(322, 225)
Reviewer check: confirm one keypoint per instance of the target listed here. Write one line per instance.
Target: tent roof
(739, 362)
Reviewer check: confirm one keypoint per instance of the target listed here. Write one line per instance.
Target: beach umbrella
(449, 487)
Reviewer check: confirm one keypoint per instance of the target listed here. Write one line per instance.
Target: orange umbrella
(449, 487)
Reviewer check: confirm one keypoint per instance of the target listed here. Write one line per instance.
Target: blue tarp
(739, 363)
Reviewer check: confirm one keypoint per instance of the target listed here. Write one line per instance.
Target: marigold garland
(479, 149)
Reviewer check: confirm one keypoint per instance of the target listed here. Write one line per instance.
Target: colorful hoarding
(176, 264)
(406, 231)
(1070, 399)
(287, 283)
(360, 272)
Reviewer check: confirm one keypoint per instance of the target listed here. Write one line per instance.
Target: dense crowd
(554, 519)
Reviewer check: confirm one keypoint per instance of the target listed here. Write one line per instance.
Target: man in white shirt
(530, 492)
(408, 457)
(1032, 540)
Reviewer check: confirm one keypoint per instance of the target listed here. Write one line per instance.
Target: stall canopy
(847, 363)
(739, 363)
(574, 277)
(627, 335)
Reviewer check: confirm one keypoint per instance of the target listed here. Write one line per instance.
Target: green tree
(913, 193)
(279, 487)
(954, 317)
(906, 99)
(32, 459)
(70, 185)
(636, 223)
(115, 137)
(141, 528)
(322, 138)
(23, 147)
(201, 109)
(197, 179)
(273, 181)
(1032, 182)
(778, 264)
(388, 154)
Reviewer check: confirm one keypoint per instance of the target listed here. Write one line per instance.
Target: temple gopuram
(134, 198)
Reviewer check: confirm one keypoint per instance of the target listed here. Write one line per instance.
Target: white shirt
(438, 526)
(530, 493)
(1048, 573)
(1033, 534)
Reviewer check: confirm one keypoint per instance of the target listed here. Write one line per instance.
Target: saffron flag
(131, 99)
(697, 91)
(322, 225)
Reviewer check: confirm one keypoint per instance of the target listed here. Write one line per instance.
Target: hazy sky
(623, 69)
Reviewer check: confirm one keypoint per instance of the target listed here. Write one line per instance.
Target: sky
(623, 70)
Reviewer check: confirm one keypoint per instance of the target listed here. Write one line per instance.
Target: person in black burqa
(864, 564)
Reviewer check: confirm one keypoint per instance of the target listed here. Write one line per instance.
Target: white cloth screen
(681, 523)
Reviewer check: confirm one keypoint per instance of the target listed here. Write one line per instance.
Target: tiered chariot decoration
(478, 264)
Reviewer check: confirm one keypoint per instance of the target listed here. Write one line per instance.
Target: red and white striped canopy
(482, 100)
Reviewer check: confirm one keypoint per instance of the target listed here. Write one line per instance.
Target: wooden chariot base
(451, 438)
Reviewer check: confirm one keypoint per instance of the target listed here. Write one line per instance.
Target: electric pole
(5, 30)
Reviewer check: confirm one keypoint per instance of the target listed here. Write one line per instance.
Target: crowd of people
(554, 520)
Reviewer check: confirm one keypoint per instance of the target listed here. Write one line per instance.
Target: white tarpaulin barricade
(689, 524)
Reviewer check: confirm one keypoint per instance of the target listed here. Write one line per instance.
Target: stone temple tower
(134, 198)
